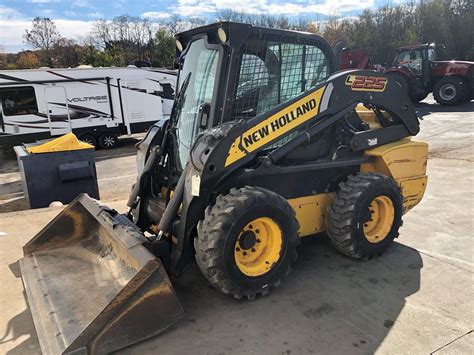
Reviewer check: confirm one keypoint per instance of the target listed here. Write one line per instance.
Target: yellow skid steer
(266, 144)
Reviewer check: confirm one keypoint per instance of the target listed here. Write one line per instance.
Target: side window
(19, 101)
(276, 73)
(431, 54)
(415, 61)
(316, 67)
(404, 57)
(253, 74)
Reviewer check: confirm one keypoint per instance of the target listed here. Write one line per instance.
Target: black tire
(450, 91)
(108, 140)
(417, 97)
(89, 138)
(351, 210)
(218, 234)
(402, 80)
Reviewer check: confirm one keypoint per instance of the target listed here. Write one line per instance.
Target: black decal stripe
(70, 78)
(12, 78)
(80, 108)
(29, 126)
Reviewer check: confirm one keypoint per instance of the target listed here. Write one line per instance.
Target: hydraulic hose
(172, 207)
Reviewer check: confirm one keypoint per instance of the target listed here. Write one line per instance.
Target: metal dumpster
(57, 170)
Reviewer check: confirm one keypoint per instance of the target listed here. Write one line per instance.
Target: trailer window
(19, 101)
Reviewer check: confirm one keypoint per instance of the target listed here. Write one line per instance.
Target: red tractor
(421, 70)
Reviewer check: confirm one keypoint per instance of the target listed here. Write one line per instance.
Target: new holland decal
(366, 83)
(272, 128)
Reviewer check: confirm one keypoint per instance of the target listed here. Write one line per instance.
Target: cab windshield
(196, 88)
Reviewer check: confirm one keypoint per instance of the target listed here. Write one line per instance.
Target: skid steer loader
(265, 145)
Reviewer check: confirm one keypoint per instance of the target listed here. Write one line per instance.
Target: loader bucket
(92, 286)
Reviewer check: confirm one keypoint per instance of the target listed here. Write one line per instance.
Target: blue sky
(74, 18)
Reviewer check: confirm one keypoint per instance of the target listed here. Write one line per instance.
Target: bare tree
(43, 35)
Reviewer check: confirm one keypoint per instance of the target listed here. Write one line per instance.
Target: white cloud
(156, 15)
(46, 13)
(8, 13)
(326, 7)
(12, 31)
(96, 14)
(42, 1)
(83, 4)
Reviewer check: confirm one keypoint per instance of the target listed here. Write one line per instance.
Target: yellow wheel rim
(382, 214)
(258, 246)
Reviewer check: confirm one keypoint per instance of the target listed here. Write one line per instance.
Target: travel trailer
(97, 104)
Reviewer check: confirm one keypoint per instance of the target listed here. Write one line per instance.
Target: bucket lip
(50, 330)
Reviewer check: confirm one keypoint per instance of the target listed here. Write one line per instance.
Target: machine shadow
(424, 109)
(328, 304)
(21, 325)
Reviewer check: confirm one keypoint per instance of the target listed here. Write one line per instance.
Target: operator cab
(256, 69)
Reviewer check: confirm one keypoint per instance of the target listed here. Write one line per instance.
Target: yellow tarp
(64, 143)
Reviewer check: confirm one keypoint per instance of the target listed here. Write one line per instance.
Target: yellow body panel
(400, 160)
(64, 143)
(413, 190)
(310, 212)
(404, 161)
(368, 116)
(275, 126)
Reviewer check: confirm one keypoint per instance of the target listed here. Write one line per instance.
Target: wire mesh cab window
(272, 73)
(19, 101)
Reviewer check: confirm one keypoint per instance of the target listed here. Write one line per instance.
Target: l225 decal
(366, 83)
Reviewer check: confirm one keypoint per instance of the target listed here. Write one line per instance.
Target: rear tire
(365, 216)
(88, 138)
(450, 91)
(247, 242)
(401, 80)
(420, 96)
(108, 140)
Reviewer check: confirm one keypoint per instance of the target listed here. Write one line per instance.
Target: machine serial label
(366, 83)
(275, 126)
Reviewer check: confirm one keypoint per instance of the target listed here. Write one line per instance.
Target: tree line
(127, 39)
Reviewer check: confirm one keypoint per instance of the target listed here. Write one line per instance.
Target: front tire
(365, 215)
(247, 242)
(450, 91)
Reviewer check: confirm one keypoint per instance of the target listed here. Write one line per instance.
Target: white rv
(97, 104)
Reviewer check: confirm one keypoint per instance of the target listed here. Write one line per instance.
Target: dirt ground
(418, 298)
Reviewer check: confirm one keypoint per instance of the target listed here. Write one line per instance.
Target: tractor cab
(419, 57)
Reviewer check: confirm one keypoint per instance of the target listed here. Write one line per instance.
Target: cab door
(57, 109)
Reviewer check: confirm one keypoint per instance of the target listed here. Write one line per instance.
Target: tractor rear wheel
(365, 215)
(450, 91)
(247, 241)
